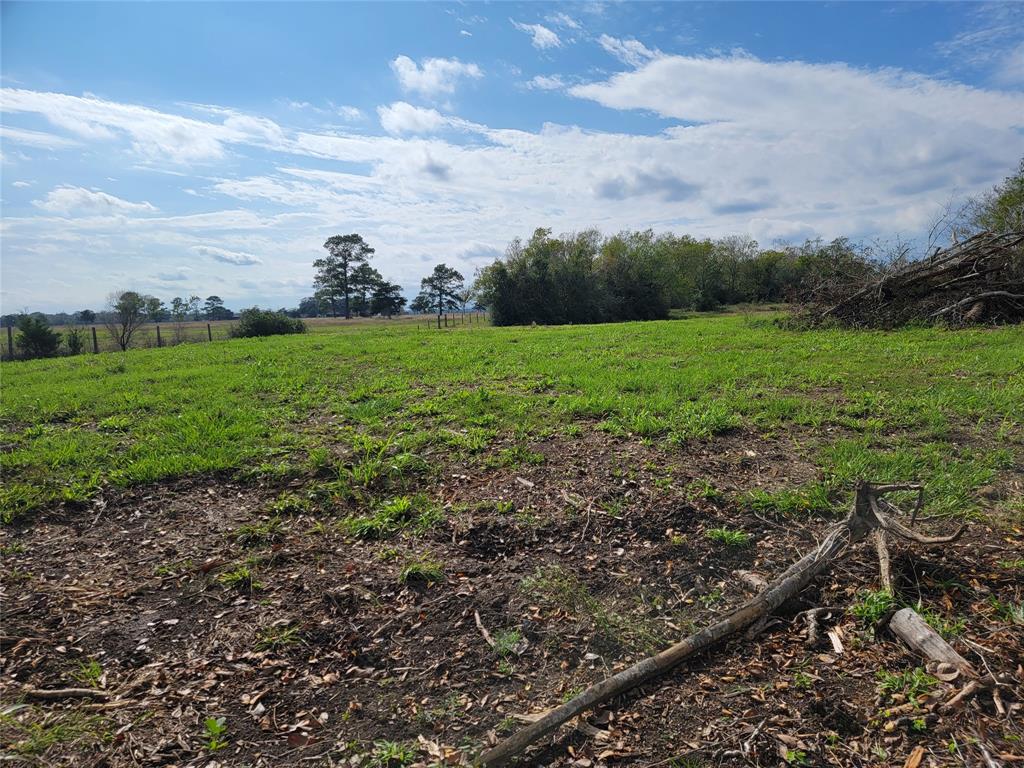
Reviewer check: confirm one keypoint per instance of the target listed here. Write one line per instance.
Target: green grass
(360, 407)
(728, 537)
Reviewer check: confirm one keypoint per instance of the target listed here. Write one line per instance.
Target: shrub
(74, 338)
(264, 322)
(35, 337)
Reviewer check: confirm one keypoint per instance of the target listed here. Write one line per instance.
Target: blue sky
(180, 148)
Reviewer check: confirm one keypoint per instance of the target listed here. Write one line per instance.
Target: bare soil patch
(578, 564)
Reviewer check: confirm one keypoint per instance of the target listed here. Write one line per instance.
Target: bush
(264, 322)
(35, 337)
(74, 338)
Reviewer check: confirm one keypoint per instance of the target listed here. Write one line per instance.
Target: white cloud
(1011, 67)
(547, 83)
(542, 37)
(563, 20)
(402, 117)
(35, 138)
(465, 33)
(433, 76)
(155, 135)
(351, 114)
(67, 199)
(22, 184)
(774, 149)
(631, 52)
(225, 256)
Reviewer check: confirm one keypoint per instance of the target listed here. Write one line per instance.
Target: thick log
(915, 632)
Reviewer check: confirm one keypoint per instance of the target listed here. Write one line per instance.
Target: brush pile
(977, 281)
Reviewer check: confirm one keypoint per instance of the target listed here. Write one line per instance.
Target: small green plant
(421, 570)
(1009, 612)
(919, 724)
(948, 628)
(728, 536)
(391, 754)
(507, 642)
(90, 673)
(241, 578)
(912, 683)
(256, 534)
(803, 681)
(871, 605)
(290, 504)
(795, 757)
(215, 729)
(277, 636)
(808, 500)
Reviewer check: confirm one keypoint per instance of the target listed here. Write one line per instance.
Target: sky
(212, 148)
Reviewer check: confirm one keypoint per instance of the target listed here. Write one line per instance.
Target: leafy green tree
(440, 289)
(86, 316)
(35, 338)
(333, 272)
(309, 307)
(156, 312)
(1002, 209)
(214, 309)
(126, 314)
(362, 281)
(387, 299)
(420, 304)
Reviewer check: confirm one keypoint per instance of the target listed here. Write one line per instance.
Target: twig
(55, 694)
(483, 630)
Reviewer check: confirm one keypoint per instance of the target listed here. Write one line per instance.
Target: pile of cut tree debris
(977, 281)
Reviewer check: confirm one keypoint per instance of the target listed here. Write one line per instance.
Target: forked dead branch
(872, 516)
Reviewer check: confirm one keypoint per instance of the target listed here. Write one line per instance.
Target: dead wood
(979, 280)
(863, 520)
(916, 633)
(56, 694)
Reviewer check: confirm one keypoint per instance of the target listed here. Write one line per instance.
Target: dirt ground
(575, 566)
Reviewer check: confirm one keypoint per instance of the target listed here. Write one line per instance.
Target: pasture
(261, 551)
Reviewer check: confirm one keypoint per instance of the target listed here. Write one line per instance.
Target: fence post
(159, 341)
(10, 342)
(439, 320)
(209, 332)
(95, 344)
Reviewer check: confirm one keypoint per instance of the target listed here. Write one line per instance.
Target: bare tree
(126, 313)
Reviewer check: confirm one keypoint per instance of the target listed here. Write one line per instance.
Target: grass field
(193, 332)
(307, 525)
(943, 407)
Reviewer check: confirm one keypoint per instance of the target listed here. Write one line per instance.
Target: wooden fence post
(10, 342)
(209, 332)
(159, 341)
(95, 344)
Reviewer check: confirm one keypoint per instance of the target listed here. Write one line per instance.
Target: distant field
(172, 334)
(323, 519)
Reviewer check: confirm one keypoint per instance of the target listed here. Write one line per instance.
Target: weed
(421, 570)
(728, 537)
(36, 735)
(391, 754)
(1011, 613)
(240, 578)
(948, 628)
(795, 757)
(507, 642)
(872, 605)
(16, 548)
(912, 683)
(215, 730)
(277, 636)
(256, 534)
(805, 501)
(89, 673)
(290, 504)
(803, 681)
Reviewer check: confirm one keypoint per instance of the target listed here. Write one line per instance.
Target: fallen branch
(55, 694)
(864, 519)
